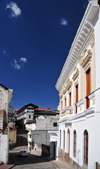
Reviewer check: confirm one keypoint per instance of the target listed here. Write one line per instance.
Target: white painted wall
(4, 150)
(97, 52)
(91, 124)
(31, 126)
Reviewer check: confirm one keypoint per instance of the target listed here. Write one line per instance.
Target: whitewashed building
(79, 92)
(5, 100)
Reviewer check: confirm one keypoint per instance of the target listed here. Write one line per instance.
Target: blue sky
(35, 38)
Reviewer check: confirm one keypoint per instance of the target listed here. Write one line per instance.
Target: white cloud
(63, 22)
(86, 3)
(23, 59)
(16, 65)
(15, 10)
(20, 63)
(4, 52)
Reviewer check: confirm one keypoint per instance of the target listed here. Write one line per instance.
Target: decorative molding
(88, 65)
(83, 114)
(82, 38)
(92, 40)
(91, 96)
(66, 108)
(76, 73)
(80, 102)
(63, 114)
(76, 82)
(93, 100)
(64, 91)
(87, 59)
(56, 132)
(60, 95)
(68, 84)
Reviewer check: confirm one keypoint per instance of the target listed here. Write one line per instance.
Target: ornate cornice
(79, 44)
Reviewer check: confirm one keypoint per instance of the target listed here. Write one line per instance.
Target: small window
(29, 116)
(30, 136)
(54, 124)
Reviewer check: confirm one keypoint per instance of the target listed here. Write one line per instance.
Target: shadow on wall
(45, 150)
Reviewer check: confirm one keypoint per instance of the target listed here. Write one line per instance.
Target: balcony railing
(81, 106)
(67, 109)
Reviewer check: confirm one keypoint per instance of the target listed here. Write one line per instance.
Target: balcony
(81, 105)
(67, 110)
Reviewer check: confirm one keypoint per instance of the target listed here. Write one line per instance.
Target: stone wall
(64, 158)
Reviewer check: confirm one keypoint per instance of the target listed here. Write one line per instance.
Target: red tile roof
(16, 109)
(41, 109)
(31, 121)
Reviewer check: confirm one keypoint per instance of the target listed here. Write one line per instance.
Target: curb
(53, 164)
(47, 160)
(11, 166)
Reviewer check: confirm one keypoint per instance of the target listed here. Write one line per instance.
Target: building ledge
(54, 132)
(67, 108)
(85, 113)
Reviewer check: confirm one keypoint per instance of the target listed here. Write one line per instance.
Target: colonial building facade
(79, 92)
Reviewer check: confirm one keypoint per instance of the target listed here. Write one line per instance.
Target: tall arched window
(86, 147)
(68, 145)
(76, 97)
(60, 138)
(65, 101)
(88, 87)
(74, 145)
(64, 140)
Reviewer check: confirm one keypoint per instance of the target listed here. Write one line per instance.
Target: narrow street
(30, 162)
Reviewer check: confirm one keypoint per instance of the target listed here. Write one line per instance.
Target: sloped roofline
(4, 86)
(86, 28)
(30, 104)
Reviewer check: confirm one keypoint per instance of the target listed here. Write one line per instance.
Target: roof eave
(88, 22)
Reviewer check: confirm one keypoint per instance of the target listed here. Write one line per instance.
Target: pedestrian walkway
(59, 165)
